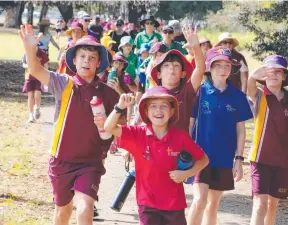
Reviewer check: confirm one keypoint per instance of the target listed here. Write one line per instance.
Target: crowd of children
(185, 96)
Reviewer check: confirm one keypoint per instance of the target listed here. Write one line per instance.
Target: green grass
(11, 47)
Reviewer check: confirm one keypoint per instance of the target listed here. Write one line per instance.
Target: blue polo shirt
(217, 118)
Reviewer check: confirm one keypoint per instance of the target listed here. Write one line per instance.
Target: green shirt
(132, 60)
(143, 37)
(178, 46)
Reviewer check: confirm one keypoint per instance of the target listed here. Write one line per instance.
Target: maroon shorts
(32, 85)
(220, 179)
(271, 180)
(67, 177)
(152, 216)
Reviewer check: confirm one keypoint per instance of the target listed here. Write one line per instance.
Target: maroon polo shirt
(274, 150)
(186, 97)
(235, 75)
(81, 142)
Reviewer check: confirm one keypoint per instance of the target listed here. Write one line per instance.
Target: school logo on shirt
(205, 107)
(286, 112)
(230, 108)
(171, 152)
(282, 190)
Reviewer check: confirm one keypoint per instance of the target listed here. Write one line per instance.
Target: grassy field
(11, 47)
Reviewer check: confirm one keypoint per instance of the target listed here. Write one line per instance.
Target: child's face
(76, 34)
(157, 55)
(167, 37)
(220, 70)
(144, 55)
(118, 65)
(159, 111)
(127, 48)
(205, 47)
(275, 77)
(86, 62)
(171, 73)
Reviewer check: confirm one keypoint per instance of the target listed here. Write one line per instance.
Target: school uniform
(31, 83)
(216, 115)
(269, 152)
(77, 149)
(158, 196)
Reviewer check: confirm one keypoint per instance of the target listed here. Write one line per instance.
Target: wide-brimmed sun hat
(73, 27)
(125, 40)
(187, 65)
(157, 93)
(225, 37)
(88, 41)
(149, 18)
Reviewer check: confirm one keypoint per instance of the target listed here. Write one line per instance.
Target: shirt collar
(150, 132)
(78, 80)
(266, 91)
(210, 89)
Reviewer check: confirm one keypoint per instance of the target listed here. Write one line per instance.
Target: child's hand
(127, 156)
(30, 42)
(178, 176)
(125, 101)
(259, 74)
(238, 170)
(114, 83)
(99, 121)
(191, 37)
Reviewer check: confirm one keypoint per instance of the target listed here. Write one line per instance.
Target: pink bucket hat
(218, 54)
(156, 93)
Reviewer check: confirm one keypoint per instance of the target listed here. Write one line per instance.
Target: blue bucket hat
(144, 47)
(88, 41)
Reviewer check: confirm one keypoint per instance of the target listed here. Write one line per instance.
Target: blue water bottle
(112, 74)
(123, 192)
(185, 162)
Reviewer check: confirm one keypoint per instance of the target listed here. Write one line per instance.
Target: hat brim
(70, 54)
(156, 23)
(69, 32)
(121, 45)
(188, 68)
(235, 42)
(45, 23)
(145, 98)
(284, 82)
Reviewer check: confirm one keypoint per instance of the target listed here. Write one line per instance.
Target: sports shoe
(31, 118)
(95, 212)
(36, 113)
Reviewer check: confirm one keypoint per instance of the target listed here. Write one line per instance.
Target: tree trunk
(44, 11)
(20, 6)
(66, 10)
(9, 18)
(14, 15)
(30, 13)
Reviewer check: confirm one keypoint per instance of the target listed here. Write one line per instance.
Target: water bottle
(112, 74)
(127, 79)
(142, 76)
(99, 110)
(185, 162)
(123, 192)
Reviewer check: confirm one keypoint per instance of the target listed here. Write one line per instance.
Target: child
(125, 47)
(143, 53)
(159, 189)
(75, 32)
(75, 166)
(219, 129)
(121, 82)
(32, 86)
(269, 154)
(174, 72)
(46, 37)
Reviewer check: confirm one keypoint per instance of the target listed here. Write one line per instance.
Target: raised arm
(30, 45)
(193, 45)
(257, 74)
(54, 43)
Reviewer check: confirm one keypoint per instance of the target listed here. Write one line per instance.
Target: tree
(14, 11)
(270, 28)
(66, 10)
(194, 10)
(30, 11)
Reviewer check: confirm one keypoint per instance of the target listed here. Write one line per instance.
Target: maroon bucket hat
(156, 93)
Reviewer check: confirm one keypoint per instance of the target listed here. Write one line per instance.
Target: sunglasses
(87, 20)
(168, 32)
(119, 25)
(149, 23)
(227, 42)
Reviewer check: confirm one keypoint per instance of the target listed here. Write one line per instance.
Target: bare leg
(210, 213)
(271, 211)
(62, 214)
(195, 215)
(31, 101)
(260, 205)
(84, 205)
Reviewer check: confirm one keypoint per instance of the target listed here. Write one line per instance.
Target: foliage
(194, 10)
(270, 28)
